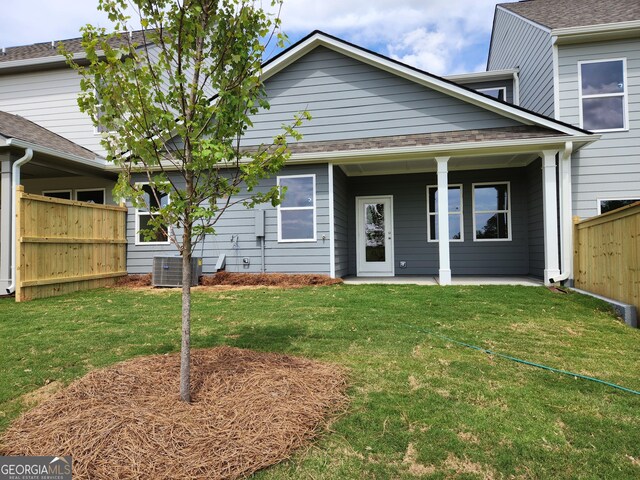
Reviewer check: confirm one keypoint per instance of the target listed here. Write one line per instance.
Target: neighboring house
(363, 183)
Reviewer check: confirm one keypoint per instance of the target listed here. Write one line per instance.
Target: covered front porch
(505, 205)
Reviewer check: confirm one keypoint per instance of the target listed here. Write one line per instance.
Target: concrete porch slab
(430, 280)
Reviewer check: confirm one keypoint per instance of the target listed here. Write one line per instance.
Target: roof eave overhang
(317, 39)
(595, 33)
(465, 149)
(489, 76)
(97, 163)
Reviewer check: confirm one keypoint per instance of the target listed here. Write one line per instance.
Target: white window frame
(485, 90)
(314, 208)
(103, 190)
(435, 214)
(624, 94)
(45, 193)
(141, 211)
(600, 200)
(96, 131)
(508, 212)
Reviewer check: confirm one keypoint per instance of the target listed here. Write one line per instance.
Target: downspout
(15, 181)
(566, 224)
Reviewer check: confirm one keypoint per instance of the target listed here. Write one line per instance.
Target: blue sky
(440, 36)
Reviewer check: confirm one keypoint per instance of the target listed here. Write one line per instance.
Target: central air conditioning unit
(167, 271)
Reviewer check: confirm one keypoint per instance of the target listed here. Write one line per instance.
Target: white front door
(374, 236)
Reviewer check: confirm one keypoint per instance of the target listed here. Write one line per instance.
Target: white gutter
(566, 223)
(15, 181)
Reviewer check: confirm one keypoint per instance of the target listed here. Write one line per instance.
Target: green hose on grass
(519, 360)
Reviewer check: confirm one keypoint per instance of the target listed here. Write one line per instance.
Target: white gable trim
(319, 39)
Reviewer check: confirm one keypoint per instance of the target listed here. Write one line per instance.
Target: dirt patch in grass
(416, 469)
(241, 280)
(249, 410)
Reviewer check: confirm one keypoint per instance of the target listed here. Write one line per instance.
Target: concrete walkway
(459, 280)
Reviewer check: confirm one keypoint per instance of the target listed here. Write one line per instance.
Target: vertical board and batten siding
(410, 224)
(610, 167)
(65, 246)
(50, 99)
(519, 44)
(349, 99)
(506, 84)
(607, 254)
(235, 237)
(536, 218)
(341, 206)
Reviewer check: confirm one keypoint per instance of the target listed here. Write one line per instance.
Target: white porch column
(550, 208)
(444, 272)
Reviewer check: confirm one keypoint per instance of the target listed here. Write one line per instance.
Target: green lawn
(420, 405)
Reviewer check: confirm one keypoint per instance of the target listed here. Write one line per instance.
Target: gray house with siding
(392, 157)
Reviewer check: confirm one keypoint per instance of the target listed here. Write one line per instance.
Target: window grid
(311, 208)
(623, 95)
(435, 214)
(144, 212)
(506, 211)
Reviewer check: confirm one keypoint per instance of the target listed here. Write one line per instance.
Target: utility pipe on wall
(15, 181)
(566, 223)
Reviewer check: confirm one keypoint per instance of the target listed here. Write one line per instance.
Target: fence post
(18, 243)
(576, 251)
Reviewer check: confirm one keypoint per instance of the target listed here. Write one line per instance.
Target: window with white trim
(91, 195)
(456, 228)
(63, 194)
(498, 92)
(491, 211)
(153, 200)
(607, 205)
(297, 212)
(603, 95)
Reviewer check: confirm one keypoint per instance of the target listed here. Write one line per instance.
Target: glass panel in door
(374, 232)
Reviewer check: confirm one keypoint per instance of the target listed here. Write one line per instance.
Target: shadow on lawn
(278, 338)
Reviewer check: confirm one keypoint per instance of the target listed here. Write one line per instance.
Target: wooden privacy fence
(607, 254)
(65, 246)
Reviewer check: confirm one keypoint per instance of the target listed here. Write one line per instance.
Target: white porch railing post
(550, 208)
(444, 271)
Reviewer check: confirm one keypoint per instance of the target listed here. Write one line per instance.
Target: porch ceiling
(399, 166)
(47, 166)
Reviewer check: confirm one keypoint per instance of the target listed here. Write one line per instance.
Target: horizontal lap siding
(519, 44)
(341, 207)
(50, 99)
(610, 167)
(239, 223)
(349, 99)
(410, 224)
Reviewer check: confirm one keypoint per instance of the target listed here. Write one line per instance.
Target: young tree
(176, 98)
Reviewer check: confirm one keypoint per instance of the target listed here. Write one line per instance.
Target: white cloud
(442, 36)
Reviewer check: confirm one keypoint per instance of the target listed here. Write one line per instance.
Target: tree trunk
(185, 351)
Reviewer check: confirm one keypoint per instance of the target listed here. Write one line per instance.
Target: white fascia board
(27, 62)
(506, 74)
(98, 162)
(415, 76)
(593, 33)
(524, 19)
(453, 150)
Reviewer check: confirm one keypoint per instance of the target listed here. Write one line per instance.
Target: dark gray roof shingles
(14, 126)
(46, 49)
(576, 13)
(425, 139)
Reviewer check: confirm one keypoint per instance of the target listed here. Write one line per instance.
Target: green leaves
(174, 100)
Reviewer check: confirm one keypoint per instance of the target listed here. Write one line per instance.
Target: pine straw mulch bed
(250, 410)
(285, 280)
